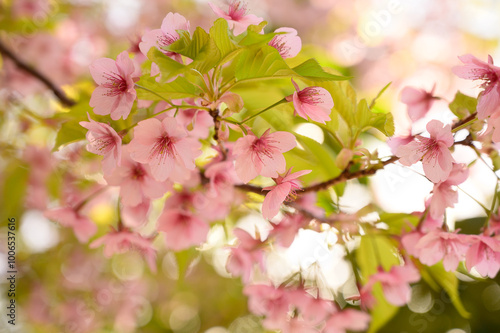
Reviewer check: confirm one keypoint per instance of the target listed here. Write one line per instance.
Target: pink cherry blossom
(262, 156)
(395, 142)
(285, 189)
(82, 226)
(395, 283)
(163, 145)
(182, 229)
(348, 319)
(439, 245)
(236, 16)
(222, 178)
(312, 310)
(434, 153)
(243, 257)
(483, 255)
(475, 69)
(493, 127)
(115, 92)
(270, 302)
(103, 140)
(313, 102)
(285, 231)
(410, 241)
(419, 101)
(135, 181)
(289, 44)
(165, 36)
(117, 242)
(443, 195)
(136, 216)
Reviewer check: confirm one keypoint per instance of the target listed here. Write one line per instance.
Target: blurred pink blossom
(182, 229)
(347, 320)
(443, 195)
(439, 245)
(122, 241)
(82, 226)
(419, 101)
(245, 255)
(135, 181)
(103, 140)
(483, 255)
(395, 283)
(236, 16)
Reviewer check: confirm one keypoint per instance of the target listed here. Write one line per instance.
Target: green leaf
(380, 94)
(363, 115)
(168, 66)
(253, 37)
(325, 201)
(186, 260)
(384, 122)
(375, 250)
(15, 177)
(259, 63)
(201, 48)
(312, 70)
(220, 34)
(399, 222)
(70, 131)
(178, 88)
(449, 282)
(463, 105)
(320, 158)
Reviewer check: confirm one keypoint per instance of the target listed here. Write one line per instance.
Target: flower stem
(260, 112)
(154, 93)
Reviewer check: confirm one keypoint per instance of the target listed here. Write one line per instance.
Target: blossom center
(103, 144)
(138, 172)
(237, 10)
(263, 146)
(310, 96)
(166, 40)
(163, 148)
(279, 44)
(115, 83)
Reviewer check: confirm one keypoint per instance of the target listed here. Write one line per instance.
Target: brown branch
(36, 74)
(464, 121)
(344, 176)
(215, 116)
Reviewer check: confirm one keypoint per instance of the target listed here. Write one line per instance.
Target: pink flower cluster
(294, 309)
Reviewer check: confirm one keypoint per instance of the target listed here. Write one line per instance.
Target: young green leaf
(259, 63)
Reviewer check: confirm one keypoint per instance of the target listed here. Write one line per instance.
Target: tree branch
(217, 122)
(344, 176)
(464, 121)
(36, 74)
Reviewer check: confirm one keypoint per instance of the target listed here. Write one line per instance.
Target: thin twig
(346, 175)
(35, 73)
(464, 121)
